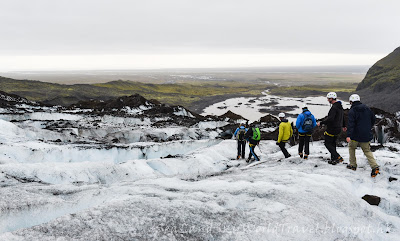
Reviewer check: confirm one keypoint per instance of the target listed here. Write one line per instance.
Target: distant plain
(192, 88)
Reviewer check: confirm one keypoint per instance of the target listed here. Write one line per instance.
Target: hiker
(335, 123)
(253, 137)
(361, 120)
(285, 132)
(241, 141)
(305, 124)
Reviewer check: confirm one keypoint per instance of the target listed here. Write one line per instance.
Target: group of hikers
(359, 132)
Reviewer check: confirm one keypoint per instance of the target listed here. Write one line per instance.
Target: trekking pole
(312, 140)
(259, 148)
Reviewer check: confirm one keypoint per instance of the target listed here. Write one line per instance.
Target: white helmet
(281, 115)
(354, 97)
(332, 95)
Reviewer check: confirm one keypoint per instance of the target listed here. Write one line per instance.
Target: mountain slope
(185, 94)
(383, 74)
(381, 85)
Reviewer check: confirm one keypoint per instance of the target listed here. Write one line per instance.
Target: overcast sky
(113, 34)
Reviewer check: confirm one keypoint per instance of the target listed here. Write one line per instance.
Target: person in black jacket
(361, 121)
(249, 136)
(335, 123)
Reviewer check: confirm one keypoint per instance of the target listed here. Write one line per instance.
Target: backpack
(240, 134)
(256, 134)
(307, 124)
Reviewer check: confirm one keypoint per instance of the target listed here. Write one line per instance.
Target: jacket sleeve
(373, 118)
(280, 133)
(234, 134)
(351, 124)
(299, 121)
(331, 116)
(291, 130)
(314, 122)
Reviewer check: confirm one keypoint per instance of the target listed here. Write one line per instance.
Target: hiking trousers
(304, 142)
(283, 149)
(241, 148)
(330, 144)
(366, 148)
(252, 153)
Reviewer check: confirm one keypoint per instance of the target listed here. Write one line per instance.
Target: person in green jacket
(285, 132)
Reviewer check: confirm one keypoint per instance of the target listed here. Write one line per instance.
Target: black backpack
(240, 134)
(307, 124)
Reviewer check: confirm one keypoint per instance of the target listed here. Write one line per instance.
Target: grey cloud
(182, 26)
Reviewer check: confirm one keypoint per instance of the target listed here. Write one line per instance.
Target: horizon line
(187, 68)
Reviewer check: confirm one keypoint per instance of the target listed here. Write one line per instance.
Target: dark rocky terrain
(10, 100)
(162, 115)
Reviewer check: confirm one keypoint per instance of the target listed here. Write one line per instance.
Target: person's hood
(338, 104)
(360, 106)
(284, 120)
(307, 112)
(355, 103)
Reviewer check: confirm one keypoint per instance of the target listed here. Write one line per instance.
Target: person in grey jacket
(359, 133)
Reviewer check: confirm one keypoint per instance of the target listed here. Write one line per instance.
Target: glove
(277, 143)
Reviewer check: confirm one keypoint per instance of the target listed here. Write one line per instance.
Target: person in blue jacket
(241, 141)
(305, 124)
(359, 133)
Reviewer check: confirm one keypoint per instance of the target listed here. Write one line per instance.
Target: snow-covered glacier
(68, 175)
(201, 195)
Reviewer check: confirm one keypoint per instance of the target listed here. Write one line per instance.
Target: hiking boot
(238, 157)
(333, 162)
(375, 172)
(301, 155)
(288, 156)
(336, 161)
(248, 160)
(351, 167)
(305, 156)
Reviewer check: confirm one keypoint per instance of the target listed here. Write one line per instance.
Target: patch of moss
(313, 90)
